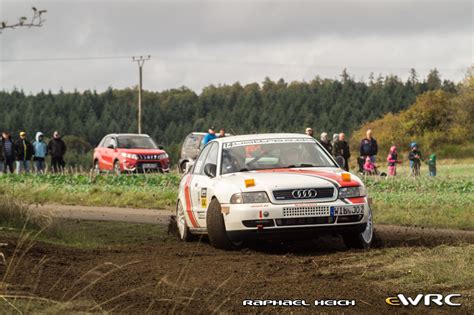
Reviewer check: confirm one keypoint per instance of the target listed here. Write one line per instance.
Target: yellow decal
(249, 182)
(393, 301)
(203, 202)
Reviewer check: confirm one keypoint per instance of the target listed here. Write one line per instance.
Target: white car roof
(262, 136)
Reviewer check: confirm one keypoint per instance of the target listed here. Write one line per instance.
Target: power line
(237, 62)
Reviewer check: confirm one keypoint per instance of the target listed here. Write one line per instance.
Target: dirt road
(387, 234)
(176, 277)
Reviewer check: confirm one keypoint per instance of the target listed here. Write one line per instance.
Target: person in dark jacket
(324, 141)
(57, 149)
(24, 153)
(8, 150)
(341, 148)
(415, 159)
(368, 146)
(2, 154)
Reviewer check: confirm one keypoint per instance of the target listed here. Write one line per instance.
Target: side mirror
(161, 147)
(210, 169)
(111, 146)
(340, 161)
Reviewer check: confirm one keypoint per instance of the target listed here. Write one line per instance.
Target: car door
(108, 155)
(201, 184)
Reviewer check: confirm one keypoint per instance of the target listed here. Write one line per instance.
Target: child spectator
(369, 166)
(432, 164)
(415, 159)
(392, 160)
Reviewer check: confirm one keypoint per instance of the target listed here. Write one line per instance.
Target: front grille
(304, 221)
(310, 211)
(287, 194)
(147, 157)
(261, 222)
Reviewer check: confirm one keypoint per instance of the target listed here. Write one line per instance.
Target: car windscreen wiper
(244, 170)
(301, 165)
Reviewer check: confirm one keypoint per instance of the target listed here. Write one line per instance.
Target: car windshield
(249, 155)
(136, 142)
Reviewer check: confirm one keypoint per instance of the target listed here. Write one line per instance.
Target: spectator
(57, 149)
(222, 133)
(309, 132)
(24, 152)
(392, 160)
(369, 166)
(432, 164)
(2, 154)
(341, 148)
(8, 152)
(41, 150)
(325, 142)
(415, 159)
(211, 135)
(368, 146)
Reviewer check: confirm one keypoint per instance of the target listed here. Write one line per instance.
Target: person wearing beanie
(24, 152)
(392, 160)
(9, 154)
(415, 159)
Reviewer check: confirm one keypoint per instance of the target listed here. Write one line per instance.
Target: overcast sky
(198, 43)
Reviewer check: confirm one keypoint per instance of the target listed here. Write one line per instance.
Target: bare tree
(36, 20)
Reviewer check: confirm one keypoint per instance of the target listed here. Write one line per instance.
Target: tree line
(331, 105)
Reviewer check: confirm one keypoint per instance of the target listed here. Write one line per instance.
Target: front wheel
(96, 167)
(361, 240)
(216, 228)
(117, 170)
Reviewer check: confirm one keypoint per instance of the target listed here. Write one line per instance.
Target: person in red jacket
(392, 160)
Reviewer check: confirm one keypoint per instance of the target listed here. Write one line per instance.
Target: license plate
(349, 210)
(149, 165)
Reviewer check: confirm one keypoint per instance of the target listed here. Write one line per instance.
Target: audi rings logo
(304, 193)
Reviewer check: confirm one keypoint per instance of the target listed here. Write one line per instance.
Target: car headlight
(249, 197)
(130, 156)
(163, 156)
(350, 192)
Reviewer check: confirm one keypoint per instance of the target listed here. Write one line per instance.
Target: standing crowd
(368, 154)
(16, 156)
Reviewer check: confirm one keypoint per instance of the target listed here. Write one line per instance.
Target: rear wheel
(216, 228)
(361, 240)
(183, 230)
(117, 170)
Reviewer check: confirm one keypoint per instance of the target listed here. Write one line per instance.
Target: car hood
(291, 178)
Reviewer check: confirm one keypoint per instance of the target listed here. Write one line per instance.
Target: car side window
(113, 142)
(199, 165)
(212, 156)
(106, 142)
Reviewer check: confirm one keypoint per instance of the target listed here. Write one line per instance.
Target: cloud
(196, 43)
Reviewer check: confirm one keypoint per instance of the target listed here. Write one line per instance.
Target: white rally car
(271, 186)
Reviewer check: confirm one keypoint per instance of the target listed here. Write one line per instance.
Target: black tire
(97, 169)
(361, 240)
(216, 227)
(182, 167)
(182, 229)
(117, 170)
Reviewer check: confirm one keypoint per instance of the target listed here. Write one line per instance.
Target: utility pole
(141, 61)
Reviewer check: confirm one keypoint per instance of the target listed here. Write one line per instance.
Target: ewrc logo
(428, 300)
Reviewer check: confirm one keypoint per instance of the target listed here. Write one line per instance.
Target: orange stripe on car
(356, 200)
(187, 196)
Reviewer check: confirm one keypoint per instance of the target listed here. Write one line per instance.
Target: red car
(130, 153)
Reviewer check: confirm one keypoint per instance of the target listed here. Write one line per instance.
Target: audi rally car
(271, 186)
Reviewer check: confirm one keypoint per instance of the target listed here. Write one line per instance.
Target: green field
(444, 201)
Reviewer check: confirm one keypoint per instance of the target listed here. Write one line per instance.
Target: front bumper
(244, 221)
(139, 166)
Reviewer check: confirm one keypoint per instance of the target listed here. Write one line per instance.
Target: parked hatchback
(130, 153)
(190, 149)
